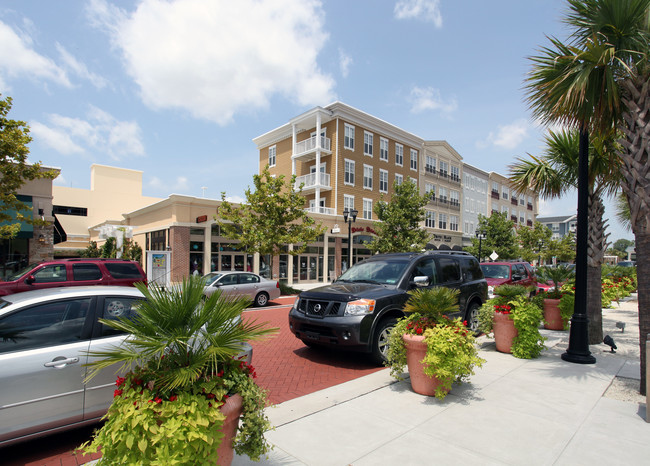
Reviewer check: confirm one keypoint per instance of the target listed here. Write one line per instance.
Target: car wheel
(380, 340)
(262, 299)
(472, 319)
(115, 309)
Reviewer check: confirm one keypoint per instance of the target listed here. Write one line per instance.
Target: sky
(179, 88)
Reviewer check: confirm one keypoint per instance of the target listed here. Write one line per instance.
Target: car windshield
(211, 278)
(21, 272)
(384, 272)
(495, 270)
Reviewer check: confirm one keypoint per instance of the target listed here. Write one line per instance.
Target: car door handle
(60, 361)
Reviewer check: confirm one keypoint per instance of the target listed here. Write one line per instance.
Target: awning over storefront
(26, 229)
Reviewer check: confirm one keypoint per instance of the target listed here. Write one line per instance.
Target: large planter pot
(504, 332)
(232, 409)
(552, 315)
(416, 349)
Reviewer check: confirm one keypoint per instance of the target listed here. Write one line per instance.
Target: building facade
(521, 208)
(475, 199)
(560, 226)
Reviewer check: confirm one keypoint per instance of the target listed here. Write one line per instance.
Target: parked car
(508, 273)
(258, 289)
(359, 309)
(74, 272)
(626, 264)
(44, 337)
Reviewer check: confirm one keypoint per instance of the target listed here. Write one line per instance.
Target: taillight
(277, 284)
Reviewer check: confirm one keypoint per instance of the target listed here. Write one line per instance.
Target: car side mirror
(516, 278)
(30, 279)
(421, 281)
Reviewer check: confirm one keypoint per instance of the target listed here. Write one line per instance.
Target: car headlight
(360, 307)
(490, 292)
(296, 308)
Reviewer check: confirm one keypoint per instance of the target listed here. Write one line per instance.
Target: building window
(430, 190)
(399, 154)
(348, 202)
(444, 169)
(454, 198)
(430, 219)
(383, 181)
(442, 194)
(522, 201)
(399, 179)
(383, 149)
(442, 221)
(349, 172)
(68, 210)
(367, 209)
(414, 159)
(455, 173)
(430, 165)
(348, 141)
(505, 193)
(367, 143)
(367, 177)
(453, 222)
(272, 156)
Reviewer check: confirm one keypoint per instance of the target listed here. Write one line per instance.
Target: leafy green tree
(563, 250)
(273, 216)
(555, 173)
(15, 171)
(529, 240)
(399, 229)
(500, 237)
(131, 250)
(600, 83)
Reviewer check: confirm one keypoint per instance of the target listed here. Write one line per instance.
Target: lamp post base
(578, 350)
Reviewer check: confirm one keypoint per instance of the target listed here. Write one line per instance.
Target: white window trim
(402, 154)
(411, 160)
(275, 155)
(354, 168)
(347, 126)
(383, 172)
(363, 210)
(372, 175)
(372, 137)
(384, 140)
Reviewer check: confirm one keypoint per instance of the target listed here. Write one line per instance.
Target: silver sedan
(258, 289)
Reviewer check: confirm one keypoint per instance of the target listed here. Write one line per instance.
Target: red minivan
(74, 272)
(508, 273)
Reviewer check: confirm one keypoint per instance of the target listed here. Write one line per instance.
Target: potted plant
(514, 321)
(183, 386)
(558, 275)
(436, 349)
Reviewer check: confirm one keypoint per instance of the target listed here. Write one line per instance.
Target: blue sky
(179, 88)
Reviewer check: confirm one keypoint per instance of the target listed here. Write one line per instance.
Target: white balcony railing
(309, 145)
(313, 180)
(321, 210)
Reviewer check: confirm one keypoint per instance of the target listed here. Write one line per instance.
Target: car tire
(380, 339)
(471, 318)
(262, 299)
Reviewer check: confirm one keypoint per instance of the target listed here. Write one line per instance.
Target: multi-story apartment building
(475, 199)
(560, 226)
(519, 207)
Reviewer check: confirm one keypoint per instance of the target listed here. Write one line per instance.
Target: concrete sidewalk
(534, 412)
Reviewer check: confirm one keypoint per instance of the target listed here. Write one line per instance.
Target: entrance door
(313, 268)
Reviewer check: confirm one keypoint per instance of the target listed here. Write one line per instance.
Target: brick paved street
(284, 366)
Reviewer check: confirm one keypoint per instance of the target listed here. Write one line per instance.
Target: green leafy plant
(513, 301)
(181, 365)
(558, 275)
(451, 354)
(567, 306)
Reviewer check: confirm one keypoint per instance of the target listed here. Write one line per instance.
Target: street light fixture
(349, 217)
(481, 235)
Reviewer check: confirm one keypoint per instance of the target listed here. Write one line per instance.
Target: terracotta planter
(552, 315)
(504, 332)
(416, 349)
(232, 409)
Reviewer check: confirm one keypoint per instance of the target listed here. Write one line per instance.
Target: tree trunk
(596, 246)
(636, 171)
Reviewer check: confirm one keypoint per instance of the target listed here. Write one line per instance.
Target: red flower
(117, 393)
(158, 400)
(418, 331)
(173, 398)
(210, 396)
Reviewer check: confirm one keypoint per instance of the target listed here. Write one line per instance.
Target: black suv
(359, 309)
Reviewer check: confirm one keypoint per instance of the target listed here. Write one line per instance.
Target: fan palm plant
(556, 172)
(181, 362)
(601, 82)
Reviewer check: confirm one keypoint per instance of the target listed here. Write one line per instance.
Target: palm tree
(600, 82)
(555, 173)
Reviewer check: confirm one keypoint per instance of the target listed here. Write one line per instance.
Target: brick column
(179, 240)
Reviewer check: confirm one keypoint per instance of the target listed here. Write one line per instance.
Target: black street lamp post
(481, 235)
(540, 245)
(350, 216)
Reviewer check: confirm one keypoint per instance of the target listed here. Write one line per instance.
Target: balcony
(514, 201)
(529, 223)
(429, 170)
(513, 218)
(495, 194)
(529, 206)
(306, 150)
(320, 210)
(443, 174)
(312, 181)
(455, 205)
(454, 178)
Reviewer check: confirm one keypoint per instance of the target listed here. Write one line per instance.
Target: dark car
(508, 273)
(359, 309)
(74, 272)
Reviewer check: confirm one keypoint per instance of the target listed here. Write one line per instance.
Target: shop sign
(447, 239)
(366, 229)
(201, 219)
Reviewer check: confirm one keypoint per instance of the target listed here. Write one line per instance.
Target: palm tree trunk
(636, 171)
(596, 246)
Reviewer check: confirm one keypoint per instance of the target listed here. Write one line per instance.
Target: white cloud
(508, 136)
(345, 61)
(18, 60)
(215, 58)
(100, 133)
(179, 186)
(427, 10)
(429, 98)
(79, 68)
